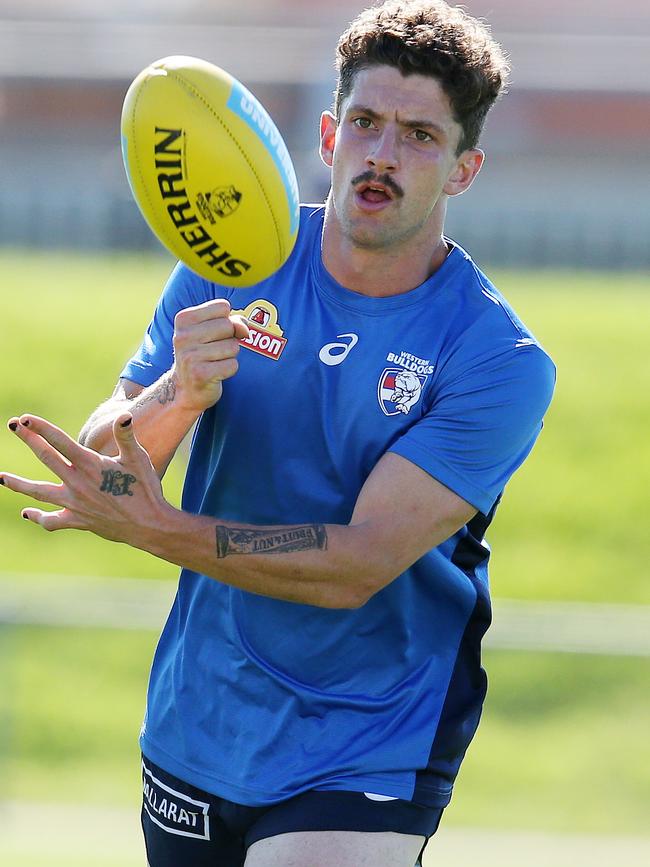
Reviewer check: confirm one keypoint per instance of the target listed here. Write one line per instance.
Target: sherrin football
(209, 171)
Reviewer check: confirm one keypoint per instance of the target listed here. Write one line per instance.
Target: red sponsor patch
(264, 342)
(266, 336)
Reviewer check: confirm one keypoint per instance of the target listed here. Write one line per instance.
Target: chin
(367, 234)
(367, 240)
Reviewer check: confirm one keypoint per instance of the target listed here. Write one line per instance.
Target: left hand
(117, 498)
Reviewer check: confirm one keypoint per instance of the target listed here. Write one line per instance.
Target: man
(318, 680)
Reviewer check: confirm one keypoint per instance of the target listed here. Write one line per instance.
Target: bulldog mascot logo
(399, 390)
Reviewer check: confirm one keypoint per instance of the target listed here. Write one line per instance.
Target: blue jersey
(257, 699)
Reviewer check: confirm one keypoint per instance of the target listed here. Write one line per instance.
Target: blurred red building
(566, 179)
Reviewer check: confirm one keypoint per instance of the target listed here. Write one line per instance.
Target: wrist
(187, 400)
(155, 529)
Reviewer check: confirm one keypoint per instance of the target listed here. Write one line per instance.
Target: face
(393, 158)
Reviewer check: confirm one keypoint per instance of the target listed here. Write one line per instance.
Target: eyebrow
(409, 124)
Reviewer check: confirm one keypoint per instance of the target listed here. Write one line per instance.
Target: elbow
(338, 595)
(92, 439)
(366, 586)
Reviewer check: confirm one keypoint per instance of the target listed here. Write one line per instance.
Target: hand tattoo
(237, 540)
(117, 483)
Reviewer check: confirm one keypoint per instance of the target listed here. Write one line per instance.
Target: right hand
(206, 344)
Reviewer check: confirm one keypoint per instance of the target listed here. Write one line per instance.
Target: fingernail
(25, 423)
(2, 481)
(23, 515)
(13, 425)
(126, 423)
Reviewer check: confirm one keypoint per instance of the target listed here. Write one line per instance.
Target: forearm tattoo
(117, 483)
(236, 540)
(166, 391)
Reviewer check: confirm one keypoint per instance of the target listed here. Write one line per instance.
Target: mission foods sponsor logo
(173, 811)
(266, 336)
(169, 157)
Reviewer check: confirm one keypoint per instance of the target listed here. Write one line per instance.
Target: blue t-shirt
(257, 699)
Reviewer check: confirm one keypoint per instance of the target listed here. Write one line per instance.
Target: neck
(385, 271)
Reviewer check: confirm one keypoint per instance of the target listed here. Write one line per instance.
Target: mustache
(385, 180)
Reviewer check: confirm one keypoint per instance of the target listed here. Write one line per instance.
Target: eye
(362, 122)
(421, 135)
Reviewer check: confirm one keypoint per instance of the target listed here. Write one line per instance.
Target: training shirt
(257, 699)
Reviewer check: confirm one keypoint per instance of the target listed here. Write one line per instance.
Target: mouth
(374, 192)
(373, 196)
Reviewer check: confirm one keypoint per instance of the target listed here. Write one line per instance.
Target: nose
(383, 156)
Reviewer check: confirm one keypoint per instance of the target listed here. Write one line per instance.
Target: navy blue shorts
(186, 826)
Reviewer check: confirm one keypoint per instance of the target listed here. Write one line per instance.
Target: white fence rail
(129, 603)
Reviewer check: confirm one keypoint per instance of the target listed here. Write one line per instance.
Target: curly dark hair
(428, 37)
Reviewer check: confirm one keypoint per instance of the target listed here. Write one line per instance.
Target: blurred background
(567, 150)
(559, 773)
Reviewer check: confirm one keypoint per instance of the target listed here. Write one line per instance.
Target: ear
(328, 126)
(467, 166)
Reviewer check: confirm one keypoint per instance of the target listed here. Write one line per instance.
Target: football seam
(162, 226)
(156, 218)
(198, 94)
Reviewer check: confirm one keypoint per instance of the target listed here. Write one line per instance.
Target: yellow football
(209, 171)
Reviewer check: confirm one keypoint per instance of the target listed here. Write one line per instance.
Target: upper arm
(155, 355)
(453, 462)
(127, 389)
(403, 512)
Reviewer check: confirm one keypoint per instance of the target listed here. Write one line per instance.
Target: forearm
(326, 565)
(160, 421)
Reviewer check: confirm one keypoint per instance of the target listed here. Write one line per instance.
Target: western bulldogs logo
(399, 390)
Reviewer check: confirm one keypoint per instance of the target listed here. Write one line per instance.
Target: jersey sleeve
(483, 421)
(155, 355)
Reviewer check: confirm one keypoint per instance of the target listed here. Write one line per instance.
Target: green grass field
(572, 513)
(563, 744)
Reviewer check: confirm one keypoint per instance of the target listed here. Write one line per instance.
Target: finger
(218, 308)
(46, 454)
(63, 519)
(45, 492)
(220, 370)
(191, 335)
(210, 352)
(59, 439)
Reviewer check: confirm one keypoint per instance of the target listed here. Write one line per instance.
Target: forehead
(386, 91)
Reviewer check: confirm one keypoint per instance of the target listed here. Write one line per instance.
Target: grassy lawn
(562, 745)
(563, 742)
(568, 527)
(69, 325)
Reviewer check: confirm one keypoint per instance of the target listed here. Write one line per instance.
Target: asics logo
(335, 353)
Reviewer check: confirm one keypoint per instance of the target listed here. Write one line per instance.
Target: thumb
(242, 330)
(125, 436)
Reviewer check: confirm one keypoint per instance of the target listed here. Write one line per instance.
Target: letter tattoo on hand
(237, 540)
(117, 483)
